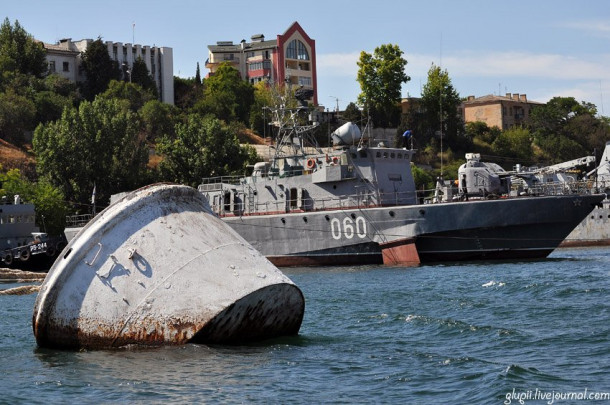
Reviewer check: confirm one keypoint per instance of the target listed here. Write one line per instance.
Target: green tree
(423, 179)
(159, 119)
(49, 106)
(48, 200)
(440, 102)
(140, 75)
(564, 129)
(186, 93)
(264, 97)
(20, 52)
(227, 96)
(16, 116)
(381, 76)
(516, 142)
(481, 136)
(198, 76)
(203, 147)
(352, 114)
(133, 93)
(99, 68)
(100, 143)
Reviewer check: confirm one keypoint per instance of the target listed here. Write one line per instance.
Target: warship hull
(502, 229)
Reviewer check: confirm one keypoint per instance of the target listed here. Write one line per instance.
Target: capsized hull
(159, 268)
(518, 228)
(594, 230)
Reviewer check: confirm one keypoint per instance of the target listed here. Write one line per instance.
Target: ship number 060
(348, 227)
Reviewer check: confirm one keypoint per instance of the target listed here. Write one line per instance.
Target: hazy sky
(542, 48)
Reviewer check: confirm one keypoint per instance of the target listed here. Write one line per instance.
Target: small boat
(157, 268)
(21, 242)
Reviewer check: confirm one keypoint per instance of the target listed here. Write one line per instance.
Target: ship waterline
(524, 228)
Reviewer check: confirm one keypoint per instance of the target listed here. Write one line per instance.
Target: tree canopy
(99, 68)
(48, 200)
(140, 75)
(381, 76)
(227, 96)
(203, 147)
(440, 101)
(564, 129)
(99, 144)
(20, 52)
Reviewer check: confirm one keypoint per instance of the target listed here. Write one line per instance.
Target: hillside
(12, 157)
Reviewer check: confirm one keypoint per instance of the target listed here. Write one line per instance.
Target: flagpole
(93, 199)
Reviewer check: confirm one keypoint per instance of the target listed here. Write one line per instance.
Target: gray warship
(594, 230)
(356, 203)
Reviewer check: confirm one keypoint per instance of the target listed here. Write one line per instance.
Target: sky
(541, 48)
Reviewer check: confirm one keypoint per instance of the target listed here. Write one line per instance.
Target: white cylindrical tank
(346, 134)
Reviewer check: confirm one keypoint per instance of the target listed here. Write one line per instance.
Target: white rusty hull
(594, 230)
(159, 268)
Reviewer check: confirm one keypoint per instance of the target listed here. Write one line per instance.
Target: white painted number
(348, 228)
(335, 228)
(360, 227)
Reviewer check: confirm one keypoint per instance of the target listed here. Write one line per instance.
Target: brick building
(503, 112)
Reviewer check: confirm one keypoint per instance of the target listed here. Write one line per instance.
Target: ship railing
(216, 183)
(562, 188)
(78, 220)
(377, 199)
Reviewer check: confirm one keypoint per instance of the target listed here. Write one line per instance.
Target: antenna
(601, 96)
(337, 100)
(440, 72)
(133, 33)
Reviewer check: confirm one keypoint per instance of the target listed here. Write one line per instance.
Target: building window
(305, 81)
(52, 66)
(302, 51)
(297, 50)
(66, 66)
(259, 65)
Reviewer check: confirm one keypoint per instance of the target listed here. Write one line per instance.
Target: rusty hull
(158, 268)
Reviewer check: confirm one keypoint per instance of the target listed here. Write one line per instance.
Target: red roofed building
(290, 58)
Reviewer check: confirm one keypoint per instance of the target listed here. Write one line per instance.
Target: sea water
(531, 331)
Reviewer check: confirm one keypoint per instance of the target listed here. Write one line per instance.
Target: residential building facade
(64, 58)
(503, 112)
(290, 58)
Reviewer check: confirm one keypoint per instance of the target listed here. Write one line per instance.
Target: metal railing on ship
(368, 200)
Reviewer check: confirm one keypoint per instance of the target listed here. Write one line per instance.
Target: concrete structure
(291, 58)
(503, 112)
(64, 58)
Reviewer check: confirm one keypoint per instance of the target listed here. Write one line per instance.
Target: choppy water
(467, 333)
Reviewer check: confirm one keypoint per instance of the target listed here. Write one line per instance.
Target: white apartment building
(64, 58)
